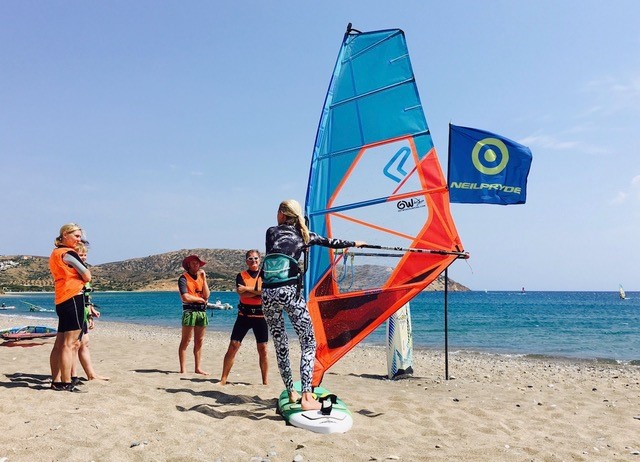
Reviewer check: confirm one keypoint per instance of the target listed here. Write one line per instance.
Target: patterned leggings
(274, 302)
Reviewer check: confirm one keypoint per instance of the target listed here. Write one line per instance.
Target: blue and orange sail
(375, 177)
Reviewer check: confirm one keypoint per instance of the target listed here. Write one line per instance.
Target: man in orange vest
(194, 293)
(250, 316)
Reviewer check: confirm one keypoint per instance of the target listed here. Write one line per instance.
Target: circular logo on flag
(490, 156)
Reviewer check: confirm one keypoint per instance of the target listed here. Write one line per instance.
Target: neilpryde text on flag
(485, 168)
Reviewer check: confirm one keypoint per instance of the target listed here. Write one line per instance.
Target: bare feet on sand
(201, 372)
(99, 377)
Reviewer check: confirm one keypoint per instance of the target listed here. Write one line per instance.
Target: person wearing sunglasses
(250, 317)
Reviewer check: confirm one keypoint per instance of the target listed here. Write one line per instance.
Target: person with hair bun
(281, 291)
(69, 277)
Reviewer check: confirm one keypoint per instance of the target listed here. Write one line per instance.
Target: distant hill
(158, 272)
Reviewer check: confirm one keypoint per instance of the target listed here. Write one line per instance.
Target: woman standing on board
(281, 291)
(69, 276)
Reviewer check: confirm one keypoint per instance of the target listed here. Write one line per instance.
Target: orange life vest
(247, 299)
(195, 286)
(66, 280)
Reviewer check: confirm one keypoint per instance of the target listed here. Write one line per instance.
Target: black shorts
(71, 314)
(245, 323)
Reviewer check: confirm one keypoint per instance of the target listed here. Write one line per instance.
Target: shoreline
(513, 291)
(492, 409)
(52, 322)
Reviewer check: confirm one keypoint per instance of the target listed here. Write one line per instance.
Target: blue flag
(485, 168)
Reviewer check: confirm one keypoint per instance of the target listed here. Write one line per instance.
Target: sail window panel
(380, 172)
(345, 319)
(383, 224)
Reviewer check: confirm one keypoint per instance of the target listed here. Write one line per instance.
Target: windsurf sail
(374, 177)
(621, 293)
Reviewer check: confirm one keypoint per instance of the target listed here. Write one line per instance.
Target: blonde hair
(81, 247)
(66, 229)
(293, 212)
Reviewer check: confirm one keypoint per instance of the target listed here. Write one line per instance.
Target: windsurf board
(27, 333)
(399, 344)
(333, 418)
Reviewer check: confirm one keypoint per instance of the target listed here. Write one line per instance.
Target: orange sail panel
(374, 176)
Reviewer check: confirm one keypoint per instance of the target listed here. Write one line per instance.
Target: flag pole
(446, 330)
(446, 280)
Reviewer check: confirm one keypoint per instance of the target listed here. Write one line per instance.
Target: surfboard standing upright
(374, 176)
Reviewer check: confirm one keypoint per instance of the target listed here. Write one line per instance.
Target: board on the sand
(399, 344)
(27, 333)
(333, 418)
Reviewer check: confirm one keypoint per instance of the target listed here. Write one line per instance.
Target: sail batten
(350, 150)
(372, 92)
(374, 176)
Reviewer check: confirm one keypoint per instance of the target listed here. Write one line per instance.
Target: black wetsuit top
(286, 239)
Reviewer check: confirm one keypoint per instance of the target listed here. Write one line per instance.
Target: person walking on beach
(281, 291)
(90, 311)
(69, 276)
(194, 293)
(250, 317)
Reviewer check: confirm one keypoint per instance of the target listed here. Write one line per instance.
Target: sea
(596, 326)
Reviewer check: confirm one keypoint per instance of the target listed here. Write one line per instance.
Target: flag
(485, 168)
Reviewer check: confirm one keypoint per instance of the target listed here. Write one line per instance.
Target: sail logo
(485, 168)
(488, 163)
(410, 204)
(395, 167)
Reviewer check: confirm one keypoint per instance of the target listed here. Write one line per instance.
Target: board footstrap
(327, 402)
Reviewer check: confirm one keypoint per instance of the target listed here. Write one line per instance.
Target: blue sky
(161, 126)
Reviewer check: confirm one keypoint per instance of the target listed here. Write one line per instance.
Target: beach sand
(495, 408)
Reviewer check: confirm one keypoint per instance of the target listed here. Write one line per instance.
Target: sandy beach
(494, 408)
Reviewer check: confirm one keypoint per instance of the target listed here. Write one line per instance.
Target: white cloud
(633, 192)
(620, 198)
(550, 142)
(613, 95)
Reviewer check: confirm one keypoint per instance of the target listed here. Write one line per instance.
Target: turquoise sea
(585, 325)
